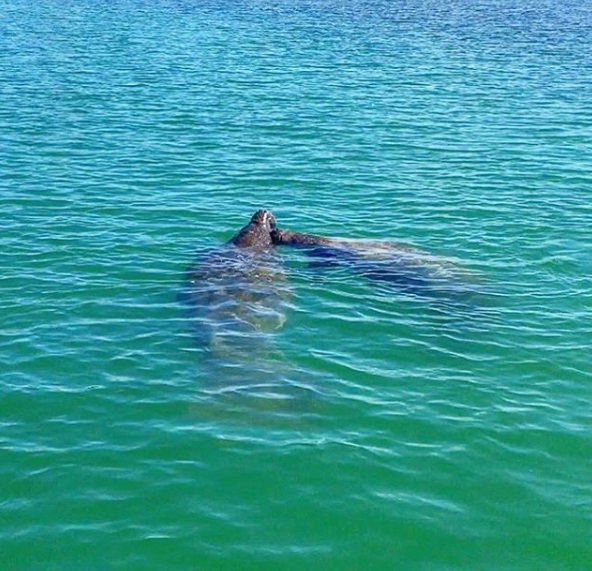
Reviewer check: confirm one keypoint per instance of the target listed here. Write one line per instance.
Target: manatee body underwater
(405, 268)
(235, 294)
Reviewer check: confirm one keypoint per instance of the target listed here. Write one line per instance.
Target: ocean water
(365, 426)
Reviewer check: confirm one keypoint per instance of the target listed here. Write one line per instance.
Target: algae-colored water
(376, 430)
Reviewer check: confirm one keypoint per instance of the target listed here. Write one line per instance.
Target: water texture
(375, 429)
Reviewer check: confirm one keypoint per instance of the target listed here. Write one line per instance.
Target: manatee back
(234, 298)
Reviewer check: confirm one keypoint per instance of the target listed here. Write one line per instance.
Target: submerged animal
(236, 293)
(402, 266)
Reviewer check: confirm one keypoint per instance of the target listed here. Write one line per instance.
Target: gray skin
(235, 293)
(257, 233)
(240, 256)
(401, 266)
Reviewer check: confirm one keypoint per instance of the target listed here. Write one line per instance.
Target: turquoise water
(375, 429)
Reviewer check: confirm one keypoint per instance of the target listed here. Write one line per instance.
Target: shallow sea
(375, 428)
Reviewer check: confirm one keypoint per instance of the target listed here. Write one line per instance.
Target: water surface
(390, 432)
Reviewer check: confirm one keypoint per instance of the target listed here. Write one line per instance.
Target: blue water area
(304, 413)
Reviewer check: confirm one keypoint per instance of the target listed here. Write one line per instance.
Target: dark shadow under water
(237, 305)
(236, 302)
(439, 283)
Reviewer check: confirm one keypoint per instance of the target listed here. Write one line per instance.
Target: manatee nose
(270, 219)
(264, 217)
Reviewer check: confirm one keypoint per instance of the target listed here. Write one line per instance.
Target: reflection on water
(375, 425)
(267, 392)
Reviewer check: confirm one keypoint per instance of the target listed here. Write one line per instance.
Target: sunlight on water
(414, 395)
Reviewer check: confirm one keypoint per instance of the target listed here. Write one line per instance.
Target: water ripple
(377, 424)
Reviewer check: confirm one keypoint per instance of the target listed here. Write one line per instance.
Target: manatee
(404, 267)
(235, 293)
(256, 235)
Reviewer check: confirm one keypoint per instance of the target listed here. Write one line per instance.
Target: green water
(376, 429)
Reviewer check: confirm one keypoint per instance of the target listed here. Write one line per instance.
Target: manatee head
(264, 218)
(257, 233)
